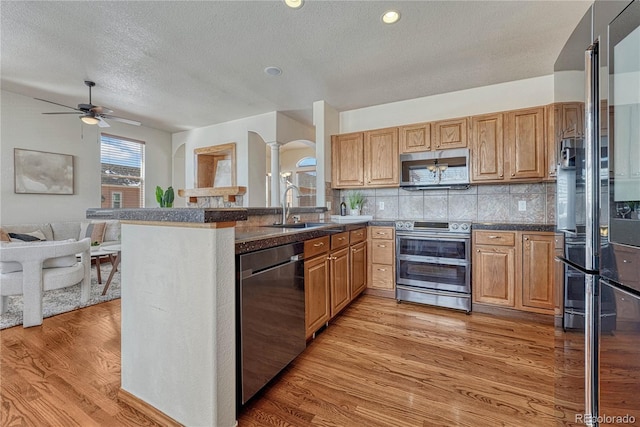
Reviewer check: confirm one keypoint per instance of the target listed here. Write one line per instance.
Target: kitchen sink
(299, 225)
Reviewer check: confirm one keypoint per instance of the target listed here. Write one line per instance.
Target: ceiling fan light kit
(92, 114)
(89, 119)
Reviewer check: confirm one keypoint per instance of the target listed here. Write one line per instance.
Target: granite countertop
(253, 238)
(504, 226)
(186, 215)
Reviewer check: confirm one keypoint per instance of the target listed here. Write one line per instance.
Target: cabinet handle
(331, 258)
(382, 246)
(626, 261)
(382, 269)
(495, 237)
(381, 233)
(317, 245)
(341, 238)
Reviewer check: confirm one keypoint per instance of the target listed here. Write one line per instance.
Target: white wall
(486, 99)
(23, 126)
(270, 127)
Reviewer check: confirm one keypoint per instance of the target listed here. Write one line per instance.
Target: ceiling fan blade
(70, 112)
(102, 123)
(51, 102)
(120, 119)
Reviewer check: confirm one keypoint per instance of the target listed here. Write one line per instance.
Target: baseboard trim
(144, 407)
(381, 292)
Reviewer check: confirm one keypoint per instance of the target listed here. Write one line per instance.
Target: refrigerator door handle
(592, 246)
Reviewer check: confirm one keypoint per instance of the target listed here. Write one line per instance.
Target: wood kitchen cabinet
(415, 138)
(365, 159)
(339, 272)
(487, 144)
(450, 134)
(317, 291)
(508, 146)
(494, 267)
(538, 272)
(335, 273)
(382, 260)
(525, 143)
(516, 269)
(358, 261)
(347, 160)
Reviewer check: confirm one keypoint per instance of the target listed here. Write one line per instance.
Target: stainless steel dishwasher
(270, 315)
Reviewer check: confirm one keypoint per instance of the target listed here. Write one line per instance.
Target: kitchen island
(178, 305)
(178, 315)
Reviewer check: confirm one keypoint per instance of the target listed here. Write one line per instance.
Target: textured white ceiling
(178, 65)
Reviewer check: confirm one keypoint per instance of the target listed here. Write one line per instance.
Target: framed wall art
(39, 172)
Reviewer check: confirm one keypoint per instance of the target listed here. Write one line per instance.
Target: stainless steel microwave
(435, 169)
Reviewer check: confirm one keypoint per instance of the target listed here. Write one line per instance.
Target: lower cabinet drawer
(382, 276)
(382, 252)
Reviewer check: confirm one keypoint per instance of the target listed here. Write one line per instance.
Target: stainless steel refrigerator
(619, 346)
(583, 190)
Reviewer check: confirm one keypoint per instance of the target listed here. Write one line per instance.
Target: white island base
(178, 319)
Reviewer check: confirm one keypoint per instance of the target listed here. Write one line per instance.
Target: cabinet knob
(526, 238)
(477, 250)
(513, 174)
(501, 175)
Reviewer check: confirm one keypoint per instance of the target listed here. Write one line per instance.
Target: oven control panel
(452, 227)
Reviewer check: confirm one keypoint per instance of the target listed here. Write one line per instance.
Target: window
(122, 178)
(305, 179)
(116, 200)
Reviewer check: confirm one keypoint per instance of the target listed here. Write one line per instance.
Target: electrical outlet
(329, 206)
(381, 206)
(522, 205)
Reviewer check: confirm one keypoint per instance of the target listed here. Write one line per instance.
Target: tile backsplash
(479, 203)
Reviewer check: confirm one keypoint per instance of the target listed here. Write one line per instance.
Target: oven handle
(440, 238)
(433, 260)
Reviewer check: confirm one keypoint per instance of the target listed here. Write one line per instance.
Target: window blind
(122, 171)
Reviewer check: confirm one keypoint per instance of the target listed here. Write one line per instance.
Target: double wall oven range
(433, 263)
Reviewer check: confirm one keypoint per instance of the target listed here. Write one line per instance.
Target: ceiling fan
(92, 114)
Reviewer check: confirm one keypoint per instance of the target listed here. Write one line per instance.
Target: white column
(275, 172)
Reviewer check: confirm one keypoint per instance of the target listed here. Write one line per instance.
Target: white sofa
(66, 230)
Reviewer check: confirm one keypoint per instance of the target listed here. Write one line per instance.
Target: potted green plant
(164, 198)
(356, 200)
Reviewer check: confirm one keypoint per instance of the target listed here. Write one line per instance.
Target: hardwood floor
(378, 364)
(67, 372)
(387, 364)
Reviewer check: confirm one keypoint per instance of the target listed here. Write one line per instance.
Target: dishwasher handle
(245, 274)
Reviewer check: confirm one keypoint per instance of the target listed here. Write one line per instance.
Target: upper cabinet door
(415, 138)
(381, 158)
(525, 143)
(487, 147)
(572, 120)
(450, 134)
(347, 160)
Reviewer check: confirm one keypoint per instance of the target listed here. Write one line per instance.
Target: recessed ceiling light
(391, 17)
(294, 4)
(273, 71)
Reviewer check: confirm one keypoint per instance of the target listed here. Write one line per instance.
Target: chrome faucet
(285, 213)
